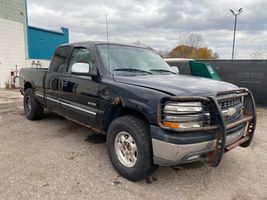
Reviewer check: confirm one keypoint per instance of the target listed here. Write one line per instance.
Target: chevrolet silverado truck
(151, 116)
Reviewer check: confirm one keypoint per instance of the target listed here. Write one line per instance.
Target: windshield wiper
(162, 70)
(132, 70)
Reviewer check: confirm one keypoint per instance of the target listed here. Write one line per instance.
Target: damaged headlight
(184, 115)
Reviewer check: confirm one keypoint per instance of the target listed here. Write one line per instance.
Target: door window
(80, 58)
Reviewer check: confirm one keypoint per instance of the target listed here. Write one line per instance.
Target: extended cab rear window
(58, 63)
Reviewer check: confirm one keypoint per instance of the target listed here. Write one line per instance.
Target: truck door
(53, 80)
(79, 93)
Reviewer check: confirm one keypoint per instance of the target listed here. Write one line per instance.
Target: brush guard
(220, 128)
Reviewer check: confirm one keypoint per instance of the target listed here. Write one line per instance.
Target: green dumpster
(203, 70)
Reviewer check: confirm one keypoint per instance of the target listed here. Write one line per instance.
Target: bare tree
(191, 40)
(259, 54)
(163, 53)
(191, 46)
(137, 42)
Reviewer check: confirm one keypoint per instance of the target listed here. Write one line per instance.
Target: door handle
(64, 83)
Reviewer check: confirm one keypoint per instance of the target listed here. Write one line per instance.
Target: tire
(32, 108)
(129, 147)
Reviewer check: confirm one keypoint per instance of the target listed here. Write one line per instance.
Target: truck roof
(86, 43)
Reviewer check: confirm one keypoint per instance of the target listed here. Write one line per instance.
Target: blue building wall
(42, 43)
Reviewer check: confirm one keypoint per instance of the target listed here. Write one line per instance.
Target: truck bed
(30, 74)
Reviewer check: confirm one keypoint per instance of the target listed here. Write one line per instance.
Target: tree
(138, 43)
(257, 55)
(183, 51)
(190, 46)
(191, 40)
(163, 53)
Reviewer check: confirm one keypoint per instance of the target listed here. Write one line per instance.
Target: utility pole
(235, 15)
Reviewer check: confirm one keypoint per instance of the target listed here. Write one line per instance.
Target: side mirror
(82, 69)
(175, 69)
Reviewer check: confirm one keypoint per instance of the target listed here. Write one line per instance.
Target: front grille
(231, 108)
(230, 103)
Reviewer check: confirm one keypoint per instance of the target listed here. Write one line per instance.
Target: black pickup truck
(150, 115)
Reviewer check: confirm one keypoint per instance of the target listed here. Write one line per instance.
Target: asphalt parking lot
(54, 158)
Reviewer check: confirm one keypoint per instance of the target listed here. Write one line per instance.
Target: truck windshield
(132, 61)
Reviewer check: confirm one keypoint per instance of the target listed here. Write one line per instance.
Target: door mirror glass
(175, 69)
(80, 68)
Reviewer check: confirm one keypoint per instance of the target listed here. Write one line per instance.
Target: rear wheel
(129, 147)
(32, 108)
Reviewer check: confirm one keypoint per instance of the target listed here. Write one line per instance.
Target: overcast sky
(158, 23)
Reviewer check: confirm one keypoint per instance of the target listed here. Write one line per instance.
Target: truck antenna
(107, 42)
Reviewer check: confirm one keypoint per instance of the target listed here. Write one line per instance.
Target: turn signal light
(173, 125)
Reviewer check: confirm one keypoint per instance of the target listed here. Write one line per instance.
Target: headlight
(184, 115)
(183, 107)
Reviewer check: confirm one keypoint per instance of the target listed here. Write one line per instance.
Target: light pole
(235, 14)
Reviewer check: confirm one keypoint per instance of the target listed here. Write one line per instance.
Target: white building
(13, 38)
(15, 42)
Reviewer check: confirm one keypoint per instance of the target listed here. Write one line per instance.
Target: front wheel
(129, 147)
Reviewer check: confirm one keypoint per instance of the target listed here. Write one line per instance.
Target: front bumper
(168, 154)
(177, 147)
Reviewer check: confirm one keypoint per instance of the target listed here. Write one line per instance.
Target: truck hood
(179, 85)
